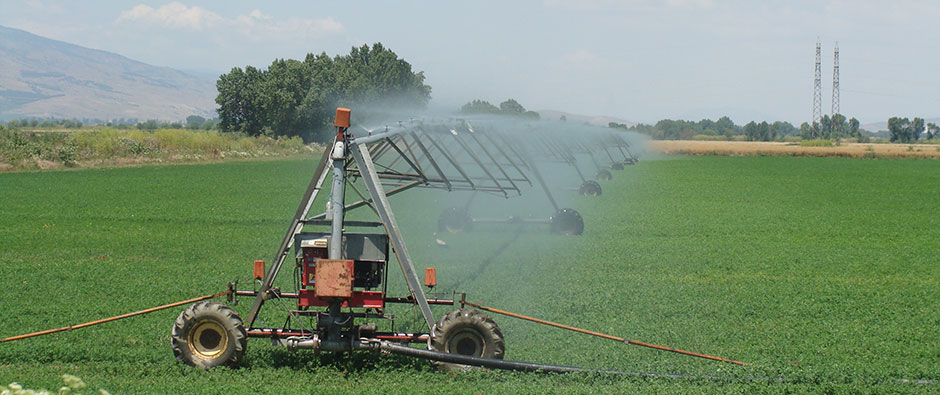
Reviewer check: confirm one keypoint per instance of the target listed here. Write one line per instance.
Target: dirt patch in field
(47, 164)
(758, 148)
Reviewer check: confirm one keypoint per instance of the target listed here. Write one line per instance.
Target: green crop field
(821, 273)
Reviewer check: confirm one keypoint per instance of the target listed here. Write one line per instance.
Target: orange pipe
(598, 334)
(115, 318)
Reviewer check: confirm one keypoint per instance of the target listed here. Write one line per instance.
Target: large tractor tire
(467, 332)
(567, 221)
(616, 166)
(209, 334)
(603, 175)
(590, 188)
(454, 220)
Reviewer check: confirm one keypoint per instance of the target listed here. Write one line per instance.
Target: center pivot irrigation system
(341, 277)
(551, 143)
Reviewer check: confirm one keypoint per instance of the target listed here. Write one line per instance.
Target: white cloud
(260, 26)
(581, 58)
(44, 7)
(596, 5)
(690, 3)
(255, 24)
(175, 15)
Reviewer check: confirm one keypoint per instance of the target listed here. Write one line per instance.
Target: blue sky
(640, 60)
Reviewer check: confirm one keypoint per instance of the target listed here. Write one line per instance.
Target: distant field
(820, 272)
(748, 148)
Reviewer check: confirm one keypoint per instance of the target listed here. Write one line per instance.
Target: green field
(822, 273)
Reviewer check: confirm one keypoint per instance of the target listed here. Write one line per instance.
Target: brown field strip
(752, 148)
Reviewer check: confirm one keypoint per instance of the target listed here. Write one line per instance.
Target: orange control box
(342, 117)
(430, 277)
(334, 278)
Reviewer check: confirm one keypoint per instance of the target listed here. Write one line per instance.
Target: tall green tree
(917, 127)
(932, 130)
(899, 129)
(854, 130)
(240, 102)
(825, 127)
(751, 131)
(806, 131)
(838, 126)
(298, 98)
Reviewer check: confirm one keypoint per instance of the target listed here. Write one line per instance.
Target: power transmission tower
(817, 87)
(835, 81)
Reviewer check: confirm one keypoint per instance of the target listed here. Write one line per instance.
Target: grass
(818, 271)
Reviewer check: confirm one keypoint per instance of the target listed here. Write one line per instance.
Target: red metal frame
(365, 299)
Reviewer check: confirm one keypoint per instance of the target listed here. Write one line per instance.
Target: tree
(479, 107)
(838, 126)
(783, 128)
(511, 106)
(194, 122)
(899, 129)
(298, 98)
(932, 130)
(765, 132)
(725, 126)
(151, 125)
(854, 130)
(750, 131)
(825, 127)
(806, 131)
(239, 100)
(917, 127)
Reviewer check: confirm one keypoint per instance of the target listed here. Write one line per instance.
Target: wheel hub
(208, 339)
(466, 342)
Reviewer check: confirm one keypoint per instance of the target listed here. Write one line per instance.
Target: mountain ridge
(45, 78)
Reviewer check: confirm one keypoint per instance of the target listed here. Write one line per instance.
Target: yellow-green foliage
(25, 150)
(816, 143)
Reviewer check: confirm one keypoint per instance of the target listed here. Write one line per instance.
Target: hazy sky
(634, 59)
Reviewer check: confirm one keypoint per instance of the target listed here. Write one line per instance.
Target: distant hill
(875, 126)
(598, 120)
(45, 78)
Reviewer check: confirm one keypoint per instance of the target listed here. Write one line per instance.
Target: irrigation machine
(340, 277)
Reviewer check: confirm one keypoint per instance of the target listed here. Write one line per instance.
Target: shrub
(24, 149)
(816, 143)
(708, 137)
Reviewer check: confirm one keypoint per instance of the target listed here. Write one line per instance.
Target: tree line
(828, 128)
(833, 128)
(908, 131)
(193, 122)
(510, 107)
(299, 98)
(724, 127)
